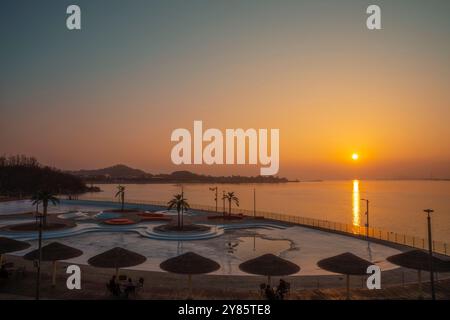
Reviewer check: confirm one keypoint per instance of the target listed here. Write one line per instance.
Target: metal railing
(338, 227)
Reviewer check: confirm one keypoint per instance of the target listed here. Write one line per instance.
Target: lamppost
(223, 198)
(367, 227)
(254, 202)
(367, 217)
(430, 250)
(38, 277)
(215, 199)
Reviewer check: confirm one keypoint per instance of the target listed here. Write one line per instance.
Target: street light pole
(216, 198)
(367, 217)
(430, 250)
(223, 198)
(217, 190)
(254, 202)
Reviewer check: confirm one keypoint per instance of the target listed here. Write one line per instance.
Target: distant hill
(114, 172)
(124, 174)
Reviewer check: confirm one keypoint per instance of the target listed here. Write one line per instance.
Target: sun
(355, 156)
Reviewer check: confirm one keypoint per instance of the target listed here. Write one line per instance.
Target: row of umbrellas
(191, 263)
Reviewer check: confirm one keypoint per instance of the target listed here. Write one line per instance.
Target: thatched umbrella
(419, 260)
(269, 265)
(346, 263)
(54, 252)
(10, 245)
(117, 258)
(189, 263)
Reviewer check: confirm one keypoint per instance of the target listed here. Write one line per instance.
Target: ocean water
(395, 206)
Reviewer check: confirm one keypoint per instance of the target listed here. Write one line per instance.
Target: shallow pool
(107, 215)
(244, 247)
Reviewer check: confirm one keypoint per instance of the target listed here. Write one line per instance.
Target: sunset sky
(114, 91)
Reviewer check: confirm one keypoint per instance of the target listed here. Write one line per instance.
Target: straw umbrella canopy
(419, 260)
(346, 263)
(190, 264)
(117, 258)
(269, 265)
(10, 245)
(54, 252)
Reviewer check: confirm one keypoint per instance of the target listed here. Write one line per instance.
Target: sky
(114, 91)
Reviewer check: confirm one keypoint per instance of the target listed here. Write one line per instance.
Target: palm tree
(121, 194)
(231, 198)
(44, 197)
(179, 202)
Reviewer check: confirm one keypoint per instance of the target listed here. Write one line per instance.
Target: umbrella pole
(54, 274)
(419, 276)
(117, 272)
(348, 286)
(189, 286)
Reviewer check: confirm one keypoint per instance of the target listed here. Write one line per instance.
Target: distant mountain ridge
(123, 174)
(117, 171)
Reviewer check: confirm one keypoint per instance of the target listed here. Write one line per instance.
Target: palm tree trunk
(178, 210)
(38, 276)
(182, 212)
(123, 201)
(45, 214)
(229, 208)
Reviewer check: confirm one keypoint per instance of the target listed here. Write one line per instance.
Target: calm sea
(395, 206)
